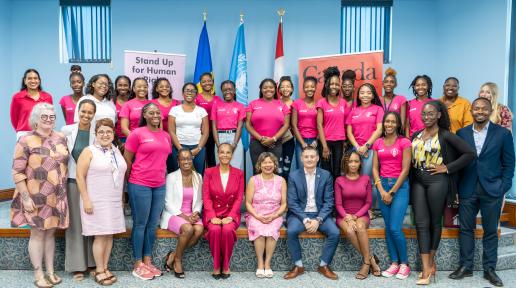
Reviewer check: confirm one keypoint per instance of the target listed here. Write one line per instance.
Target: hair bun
(390, 72)
(331, 71)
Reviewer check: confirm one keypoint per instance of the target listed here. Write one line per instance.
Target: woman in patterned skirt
(40, 172)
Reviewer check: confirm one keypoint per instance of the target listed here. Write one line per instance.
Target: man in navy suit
(483, 185)
(310, 205)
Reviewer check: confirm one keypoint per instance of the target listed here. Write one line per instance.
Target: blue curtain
(366, 26)
(87, 33)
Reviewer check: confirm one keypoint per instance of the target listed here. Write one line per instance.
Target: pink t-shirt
(207, 105)
(414, 108)
(151, 149)
(132, 110)
(334, 119)
(118, 129)
(395, 105)
(267, 117)
(391, 157)
(165, 110)
(363, 122)
(67, 104)
(227, 114)
(306, 119)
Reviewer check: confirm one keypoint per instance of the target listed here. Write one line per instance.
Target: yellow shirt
(426, 154)
(460, 114)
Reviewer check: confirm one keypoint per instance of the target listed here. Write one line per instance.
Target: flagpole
(281, 12)
(204, 14)
(243, 150)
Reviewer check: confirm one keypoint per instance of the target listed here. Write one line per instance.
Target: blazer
(220, 203)
(297, 194)
(493, 167)
(457, 154)
(70, 132)
(174, 196)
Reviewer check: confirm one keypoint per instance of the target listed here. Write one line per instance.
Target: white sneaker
(260, 273)
(268, 273)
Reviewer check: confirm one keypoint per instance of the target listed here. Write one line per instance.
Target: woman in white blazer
(181, 215)
(78, 248)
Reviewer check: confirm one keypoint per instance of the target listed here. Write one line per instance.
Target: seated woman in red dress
(222, 193)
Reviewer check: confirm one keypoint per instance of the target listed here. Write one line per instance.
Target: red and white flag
(279, 64)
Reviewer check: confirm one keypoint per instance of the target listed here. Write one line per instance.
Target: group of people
(181, 164)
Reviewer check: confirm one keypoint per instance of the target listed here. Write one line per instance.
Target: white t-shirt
(188, 124)
(105, 109)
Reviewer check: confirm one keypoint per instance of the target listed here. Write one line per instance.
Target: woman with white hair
(501, 115)
(40, 200)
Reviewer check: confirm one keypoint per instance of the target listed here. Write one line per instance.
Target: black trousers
(333, 162)
(210, 151)
(256, 148)
(428, 195)
(287, 155)
(490, 209)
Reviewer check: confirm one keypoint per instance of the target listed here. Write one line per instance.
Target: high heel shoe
(376, 271)
(426, 281)
(362, 276)
(433, 271)
(166, 267)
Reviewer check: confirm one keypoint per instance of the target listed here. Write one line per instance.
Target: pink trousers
(221, 238)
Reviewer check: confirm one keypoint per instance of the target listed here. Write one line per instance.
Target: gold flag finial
(241, 16)
(281, 12)
(204, 14)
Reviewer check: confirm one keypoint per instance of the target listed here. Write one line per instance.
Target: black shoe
(460, 273)
(224, 275)
(490, 275)
(216, 276)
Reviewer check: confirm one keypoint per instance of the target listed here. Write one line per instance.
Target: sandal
(106, 281)
(375, 269)
(78, 276)
(166, 267)
(111, 275)
(54, 279)
(360, 275)
(46, 283)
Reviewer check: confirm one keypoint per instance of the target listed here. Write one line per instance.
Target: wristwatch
(367, 145)
(319, 219)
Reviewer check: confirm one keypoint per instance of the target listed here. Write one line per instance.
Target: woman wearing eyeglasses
(188, 127)
(40, 172)
(100, 90)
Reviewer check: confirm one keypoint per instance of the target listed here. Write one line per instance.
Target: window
(85, 31)
(366, 26)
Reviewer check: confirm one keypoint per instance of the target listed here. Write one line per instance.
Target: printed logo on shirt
(395, 152)
(395, 107)
(70, 109)
(413, 109)
(341, 108)
(137, 108)
(368, 114)
(148, 140)
(235, 110)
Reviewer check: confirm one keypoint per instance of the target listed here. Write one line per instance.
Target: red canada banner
(367, 65)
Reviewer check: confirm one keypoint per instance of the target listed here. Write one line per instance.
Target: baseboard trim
(6, 194)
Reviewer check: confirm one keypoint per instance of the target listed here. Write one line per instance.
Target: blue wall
(464, 38)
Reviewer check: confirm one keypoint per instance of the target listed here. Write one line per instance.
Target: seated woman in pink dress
(181, 215)
(100, 179)
(266, 201)
(352, 202)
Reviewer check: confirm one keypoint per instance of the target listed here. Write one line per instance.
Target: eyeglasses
(45, 117)
(102, 84)
(107, 133)
(190, 91)
(429, 114)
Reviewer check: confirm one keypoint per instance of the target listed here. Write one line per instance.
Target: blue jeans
(146, 205)
(299, 149)
(367, 169)
(198, 160)
(393, 216)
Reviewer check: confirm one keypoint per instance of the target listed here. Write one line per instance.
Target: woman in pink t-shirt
(162, 97)
(122, 91)
(267, 120)
(391, 165)
(227, 120)
(304, 119)
(348, 87)
(422, 89)
(132, 110)
(288, 144)
(69, 102)
(149, 147)
(391, 101)
(332, 111)
(206, 99)
(364, 126)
